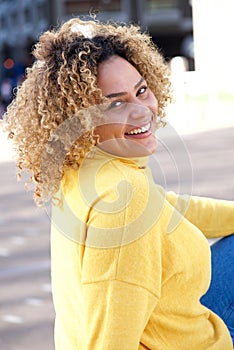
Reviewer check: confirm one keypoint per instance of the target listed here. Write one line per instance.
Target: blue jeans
(220, 296)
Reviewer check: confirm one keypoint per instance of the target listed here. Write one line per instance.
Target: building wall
(168, 21)
(22, 20)
(21, 23)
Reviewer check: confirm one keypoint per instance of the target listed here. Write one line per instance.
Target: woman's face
(128, 130)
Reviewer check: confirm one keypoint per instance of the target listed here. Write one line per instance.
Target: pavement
(199, 163)
(26, 310)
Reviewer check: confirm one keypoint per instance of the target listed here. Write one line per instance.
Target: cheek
(102, 132)
(109, 131)
(153, 102)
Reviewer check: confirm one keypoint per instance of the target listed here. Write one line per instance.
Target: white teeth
(139, 130)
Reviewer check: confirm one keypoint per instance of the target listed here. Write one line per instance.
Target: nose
(138, 112)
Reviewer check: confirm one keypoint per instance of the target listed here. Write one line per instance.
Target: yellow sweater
(128, 269)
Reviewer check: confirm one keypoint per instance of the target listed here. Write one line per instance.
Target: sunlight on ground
(200, 104)
(6, 150)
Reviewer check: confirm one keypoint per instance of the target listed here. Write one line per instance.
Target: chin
(124, 147)
(150, 148)
(152, 151)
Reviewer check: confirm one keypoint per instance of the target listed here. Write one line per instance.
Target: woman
(130, 262)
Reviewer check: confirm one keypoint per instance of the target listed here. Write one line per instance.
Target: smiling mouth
(137, 131)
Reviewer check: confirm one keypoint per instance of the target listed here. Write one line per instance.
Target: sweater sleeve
(116, 314)
(214, 217)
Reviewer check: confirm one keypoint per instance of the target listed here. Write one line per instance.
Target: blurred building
(168, 21)
(22, 21)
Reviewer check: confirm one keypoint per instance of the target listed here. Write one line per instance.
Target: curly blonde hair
(62, 82)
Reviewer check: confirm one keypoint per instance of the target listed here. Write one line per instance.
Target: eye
(115, 104)
(142, 90)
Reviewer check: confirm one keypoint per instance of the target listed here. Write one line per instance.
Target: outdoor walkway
(200, 163)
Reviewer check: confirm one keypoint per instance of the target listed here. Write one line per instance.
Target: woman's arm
(116, 314)
(214, 217)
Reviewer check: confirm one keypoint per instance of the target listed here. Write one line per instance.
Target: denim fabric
(220, 296)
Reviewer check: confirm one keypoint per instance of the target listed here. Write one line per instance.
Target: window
(27, 15)
(14, 18)
(41, 11)
(3, 22)
(84, 6)
(161, 4)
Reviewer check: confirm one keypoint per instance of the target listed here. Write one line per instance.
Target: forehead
(117, 75)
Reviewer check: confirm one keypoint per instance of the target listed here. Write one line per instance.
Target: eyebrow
(117, 94)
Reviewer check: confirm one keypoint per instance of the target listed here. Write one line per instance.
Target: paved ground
(200, 163)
